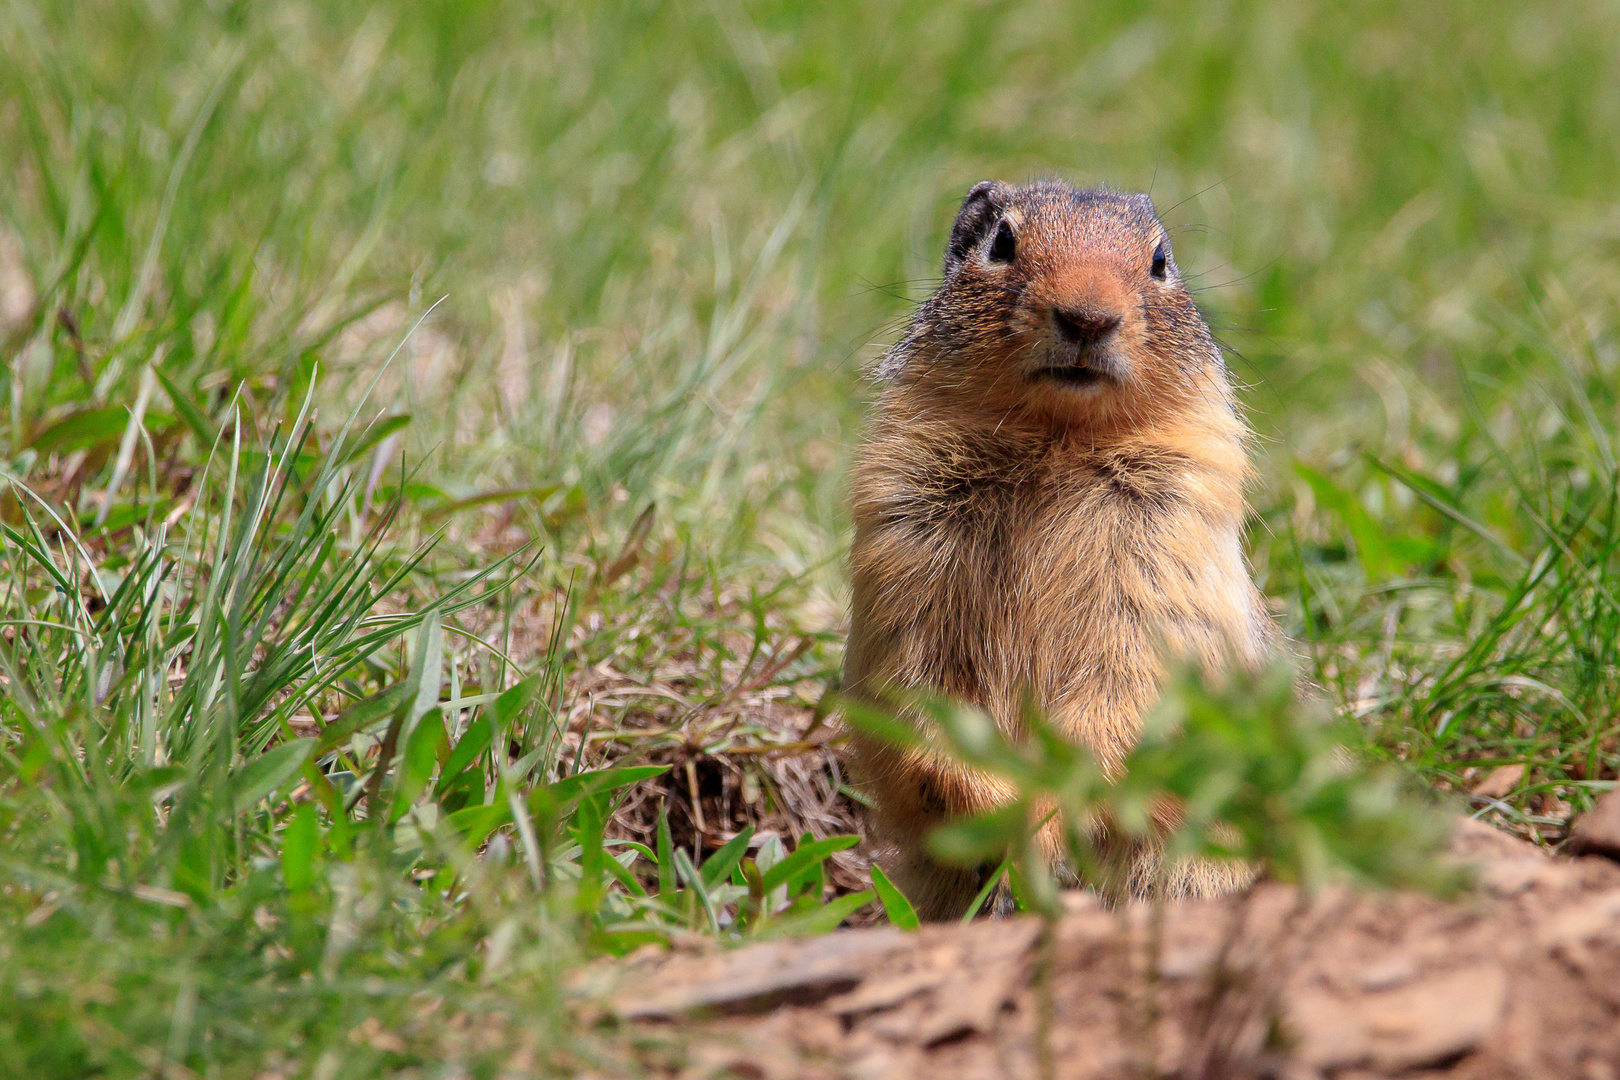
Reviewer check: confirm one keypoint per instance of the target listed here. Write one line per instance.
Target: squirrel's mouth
(1078, 376)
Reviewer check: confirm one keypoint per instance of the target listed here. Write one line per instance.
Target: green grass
(566, 264)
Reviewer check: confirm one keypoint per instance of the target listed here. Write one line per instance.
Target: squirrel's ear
(978, 215)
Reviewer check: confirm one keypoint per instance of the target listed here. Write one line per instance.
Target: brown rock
(1598, 832)
(1420, 1024)
(1473, 840)
(759, 978)
(1518, 979)
(1500, 782)
(1571, 930)
(885, 993)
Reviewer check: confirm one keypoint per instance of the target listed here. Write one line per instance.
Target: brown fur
(1019, 532)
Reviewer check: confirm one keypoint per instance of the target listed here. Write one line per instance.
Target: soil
(1518, 978)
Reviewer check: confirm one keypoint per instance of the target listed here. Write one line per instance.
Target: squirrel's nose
(1084, 326)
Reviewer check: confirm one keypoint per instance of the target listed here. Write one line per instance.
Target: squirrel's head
(1063, 303)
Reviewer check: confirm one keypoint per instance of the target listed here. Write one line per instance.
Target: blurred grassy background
(705, 216)
(660, 242)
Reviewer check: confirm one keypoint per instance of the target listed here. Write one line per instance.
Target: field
(470, 389)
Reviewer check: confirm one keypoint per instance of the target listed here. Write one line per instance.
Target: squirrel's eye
(1004, 246)
(1160, 262)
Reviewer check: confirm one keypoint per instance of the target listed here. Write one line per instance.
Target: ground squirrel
(1051, 491)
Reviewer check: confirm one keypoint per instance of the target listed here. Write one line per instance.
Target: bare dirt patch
(1520, 978)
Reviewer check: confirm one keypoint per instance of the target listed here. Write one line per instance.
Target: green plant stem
(1045, 976)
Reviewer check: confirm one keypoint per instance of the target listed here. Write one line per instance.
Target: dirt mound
(1520, 978)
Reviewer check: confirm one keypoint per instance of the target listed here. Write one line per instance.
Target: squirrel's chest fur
(990, 566)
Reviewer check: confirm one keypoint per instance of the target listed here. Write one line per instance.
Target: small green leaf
(269, 771)
(1442, 500)
(1378, 561)
(640, 849)
(666, 854)
(193, 870)
(475, 823)
(1022, 900)
(420, 694)
(626, 937)
(805, 857)
(412, 491)
(601, 781)
(717, 867)
(125, 514)
(770, 853)
(752, 909)
(985, 890)
(694, 880)
(621, 873)
(474, 741)
(895, 904)
(416, 764)
(371, 436)
(83, 430)
(427, 668)
(572, 506)
(511, 703)
(881, 723)
(980, 838)
(810, 881)
(193, 416)
(298, 842)
(820, 920)
(536, 495)
(592, 856)
(360, 715)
